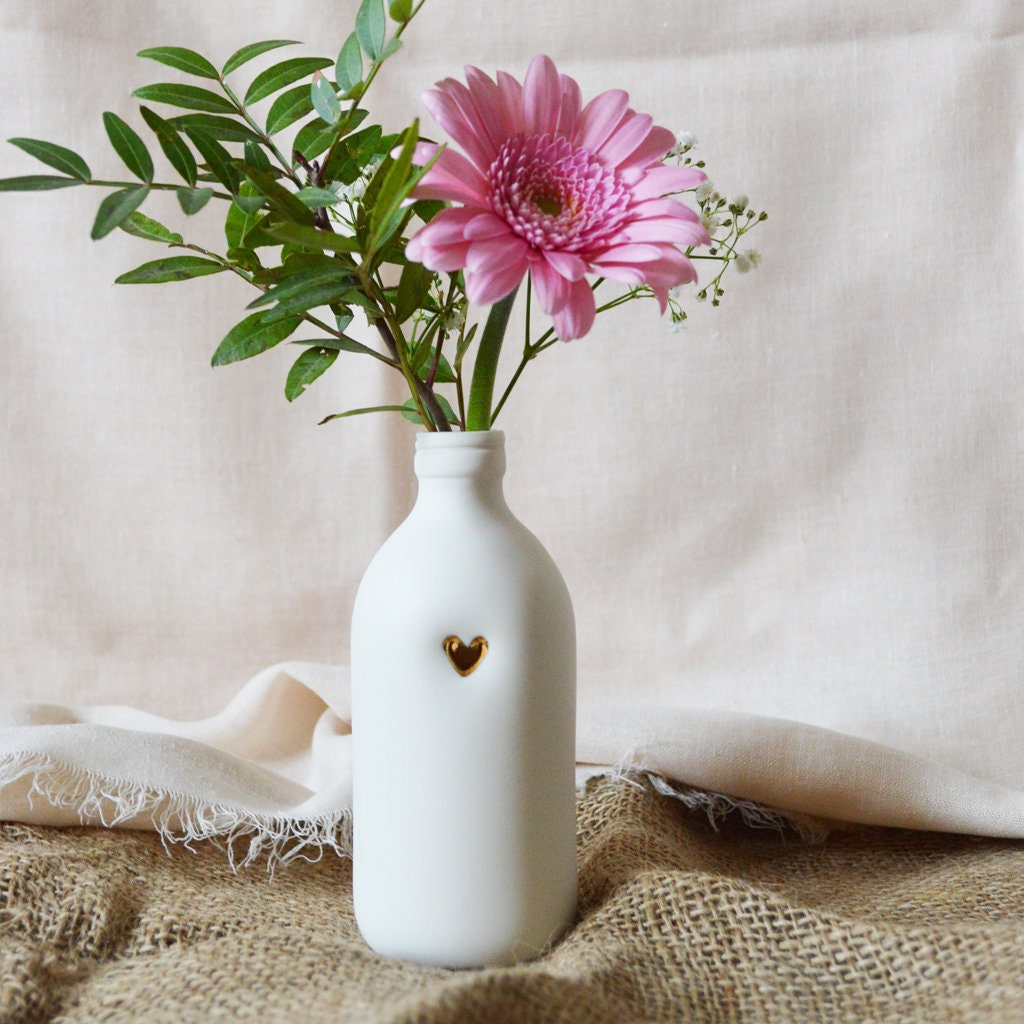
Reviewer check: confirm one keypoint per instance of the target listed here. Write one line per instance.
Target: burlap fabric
(679, 922)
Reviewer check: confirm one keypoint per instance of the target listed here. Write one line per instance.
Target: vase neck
(470, 463)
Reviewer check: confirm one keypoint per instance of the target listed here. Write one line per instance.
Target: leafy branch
(317, 207)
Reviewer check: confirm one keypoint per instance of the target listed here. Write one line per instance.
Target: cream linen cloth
(793, 532)
(270, 775)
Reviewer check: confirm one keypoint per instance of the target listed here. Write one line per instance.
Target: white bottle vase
(463, 724)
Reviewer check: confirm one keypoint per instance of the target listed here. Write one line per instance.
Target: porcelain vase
(463, 722)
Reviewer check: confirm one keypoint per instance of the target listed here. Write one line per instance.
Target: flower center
(555, 196)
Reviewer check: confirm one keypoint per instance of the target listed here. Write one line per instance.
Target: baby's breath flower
(749, 260)
(739, 204)
(453, 320)
(710, 222)
(354, 192)
(703, 192)
(685, 141)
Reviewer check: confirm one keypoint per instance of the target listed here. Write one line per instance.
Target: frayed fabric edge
(180, 819)
(717, 807)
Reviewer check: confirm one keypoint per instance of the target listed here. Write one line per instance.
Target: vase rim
(446, 439)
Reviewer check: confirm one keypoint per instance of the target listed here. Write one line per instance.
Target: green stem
(267, 141)
(481, 390)
(511, 384)
(156, 186)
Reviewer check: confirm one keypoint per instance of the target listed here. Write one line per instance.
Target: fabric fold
(270, 775)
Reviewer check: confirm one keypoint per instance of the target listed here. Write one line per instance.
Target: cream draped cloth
(270, 775)
(792, 532)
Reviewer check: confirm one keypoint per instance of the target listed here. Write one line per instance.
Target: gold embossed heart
(465, 659)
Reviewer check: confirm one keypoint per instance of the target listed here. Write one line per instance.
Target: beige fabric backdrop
(806, 506)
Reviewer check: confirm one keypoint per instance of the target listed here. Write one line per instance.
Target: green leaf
(400, 10)
(117, 208)
(424, 360)
(352, 154)
(279, 198)
(349, 68)
(463, 346)
(413, 288)
(249, 203)
(275, 78)
(37, 183)
(153, 231)
(172, 268)
(307, 299)
(173, 145)
(238, 221)
(216, 126)
(391, 47)
(311, 238)
(427, 209)
(331, 274)
(410, 412)
(246, 53)
(296, 276)
(444, 373)
(314, 138)
(306, 369)
(288, 108)
(192, 200)
(363, 412)
(251, 337)
(325, 99)
(342, 344)
(395, 188)
(184, 60)
(316, 198)
(245, 258)
(370, 27)
(217, 158)
(255, 233)
(63, 160)
(130, 148)
(255, 157)
(191, 97)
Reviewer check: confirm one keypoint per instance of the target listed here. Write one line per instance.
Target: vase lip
(449, 439)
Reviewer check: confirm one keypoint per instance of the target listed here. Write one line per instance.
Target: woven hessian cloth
(679, 922)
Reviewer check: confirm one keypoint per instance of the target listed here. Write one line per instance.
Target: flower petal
(672, 268)
(599, 118)
(441, 244)
(542, 97)
(487, 225)
(661, 180)
(679, 230)
(452, 178)
(630, 133)
(494, 268)
(657, 143)
(452, 105)
(572, 104)
(576, 316)
(499, 117)
(568, 264)
(627, 254)
(550, 287)
(511, 93)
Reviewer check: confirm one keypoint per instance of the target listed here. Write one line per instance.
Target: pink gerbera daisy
(554, 188)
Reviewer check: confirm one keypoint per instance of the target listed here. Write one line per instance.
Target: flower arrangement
(408, 234)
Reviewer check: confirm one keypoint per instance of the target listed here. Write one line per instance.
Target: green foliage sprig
(317, 226)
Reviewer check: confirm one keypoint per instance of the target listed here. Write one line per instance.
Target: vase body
(463, 724)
